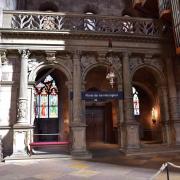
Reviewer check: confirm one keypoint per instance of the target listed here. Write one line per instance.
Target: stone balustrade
(65, 22)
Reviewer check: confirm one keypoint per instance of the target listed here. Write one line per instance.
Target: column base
(21, 140)
(129, 151)
(132, 136)
(81, 155)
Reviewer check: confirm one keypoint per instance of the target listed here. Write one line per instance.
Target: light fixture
(154, 115)
(110, 70)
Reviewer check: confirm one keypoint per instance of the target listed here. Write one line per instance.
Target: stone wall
(108, 7)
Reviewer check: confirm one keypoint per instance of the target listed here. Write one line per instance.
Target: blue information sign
(98, 95)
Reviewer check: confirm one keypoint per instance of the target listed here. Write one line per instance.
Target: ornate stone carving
(22, 108)
(147, 60)
(87, 60)
(49, 23)
(31, 64)
(66, 60)
(25, 53)
(3, 57)
(50, 56)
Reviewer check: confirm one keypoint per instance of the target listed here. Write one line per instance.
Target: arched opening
(51, 106)
(101, 109)
(148, 110)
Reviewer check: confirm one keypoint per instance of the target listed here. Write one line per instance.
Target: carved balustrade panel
(86, 23)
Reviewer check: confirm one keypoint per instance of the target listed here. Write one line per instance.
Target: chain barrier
(162, 168)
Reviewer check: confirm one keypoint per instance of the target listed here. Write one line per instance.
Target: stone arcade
(62, 47)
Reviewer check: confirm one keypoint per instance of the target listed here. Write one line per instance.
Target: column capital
(126, 54)
(25, 53)
(76, 52)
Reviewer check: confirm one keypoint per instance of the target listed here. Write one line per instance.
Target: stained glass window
(135, 102)
(46, 94)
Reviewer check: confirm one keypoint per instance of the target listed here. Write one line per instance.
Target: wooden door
(95, 123)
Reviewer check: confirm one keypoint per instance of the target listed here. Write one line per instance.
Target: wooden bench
(47, 144)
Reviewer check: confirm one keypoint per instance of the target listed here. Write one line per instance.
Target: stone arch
(159, 76)
(39, 67)
(151, 97)
(105, 64)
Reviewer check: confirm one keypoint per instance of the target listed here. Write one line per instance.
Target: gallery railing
(40, 21)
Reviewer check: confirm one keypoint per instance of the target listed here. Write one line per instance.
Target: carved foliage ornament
(22, 107)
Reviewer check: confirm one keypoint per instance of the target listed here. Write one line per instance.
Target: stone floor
(107, 163)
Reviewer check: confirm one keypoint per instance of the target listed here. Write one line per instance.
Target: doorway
(99, 123)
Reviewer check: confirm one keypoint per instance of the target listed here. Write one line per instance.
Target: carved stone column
(132, 127)
(23, 88)
(78, 127)
(121, 127)
(22, 128)
(173, 105)
(166, 131)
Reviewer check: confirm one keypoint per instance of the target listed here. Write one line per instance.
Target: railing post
(167, 170)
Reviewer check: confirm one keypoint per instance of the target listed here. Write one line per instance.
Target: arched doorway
(101, 109)
(51, 106)
(146, 84)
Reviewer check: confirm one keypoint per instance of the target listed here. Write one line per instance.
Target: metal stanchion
(167, 170)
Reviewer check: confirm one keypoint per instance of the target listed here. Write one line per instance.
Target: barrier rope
(164, 166)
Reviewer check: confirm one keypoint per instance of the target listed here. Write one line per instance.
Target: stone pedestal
(21, 141)
(79, 150)
(132, 135)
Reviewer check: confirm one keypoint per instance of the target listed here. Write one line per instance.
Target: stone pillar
(132, 127)
(121, 128)
(174, 117)
(22, 127)
(23, 88)
(78, 127)
(164, 109)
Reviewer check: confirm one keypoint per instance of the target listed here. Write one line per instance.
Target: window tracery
(46, 99)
